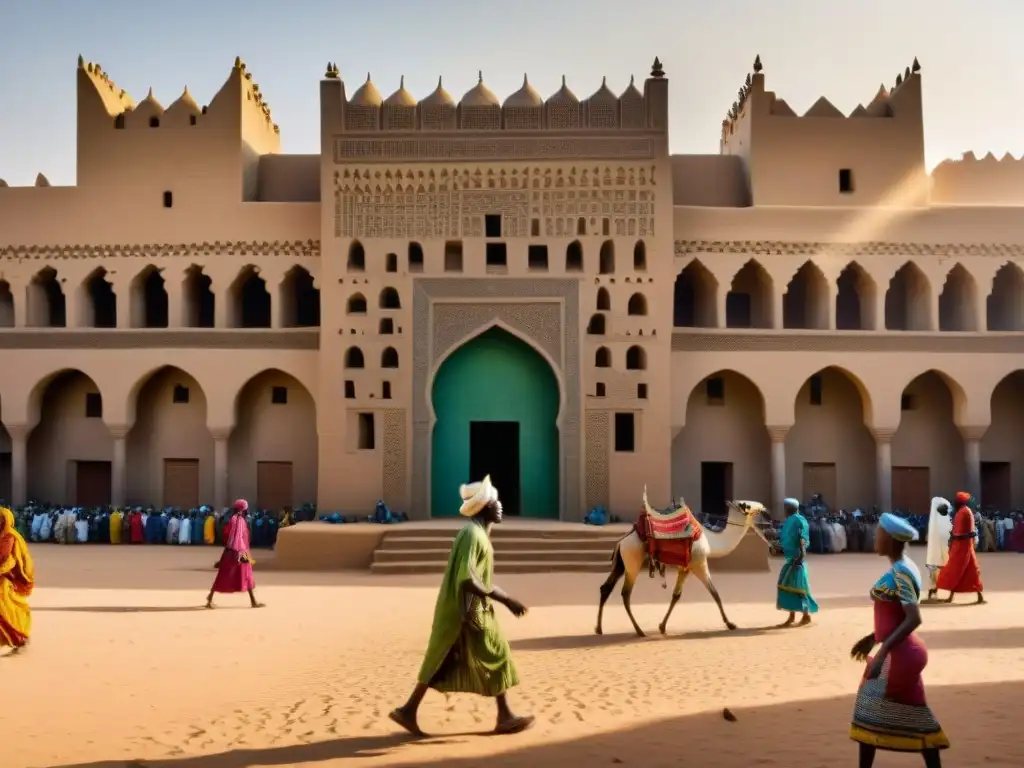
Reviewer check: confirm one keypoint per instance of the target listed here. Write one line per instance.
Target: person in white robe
(940, 527)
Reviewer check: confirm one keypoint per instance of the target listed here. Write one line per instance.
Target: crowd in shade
(834, 531)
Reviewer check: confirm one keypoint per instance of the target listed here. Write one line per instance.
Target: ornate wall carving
(395, 471)
(438, 328)
(290, 249)
(440, 149)
(184, 338)
(838, 341)
(850, 250)
(452, 203)
(598, 447)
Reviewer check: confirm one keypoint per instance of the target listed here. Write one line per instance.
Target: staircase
(517, 549)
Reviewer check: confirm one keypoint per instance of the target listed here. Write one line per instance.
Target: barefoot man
(961, 573)
(467, 652)
(794, 588)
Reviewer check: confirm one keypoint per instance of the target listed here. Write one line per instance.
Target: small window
(366, 432)
(715, 391)
(535, 228)
(350, 390)
(606, 227)
(599, 390)
(453, 256)
(641, 391)
(154, 122)
(387, 326)
(385, 390)
(192, 120)
(581, 226)
(625, 433)
(537, 257)
(279, 395)
(492, 225)
(908, 403)
(415, 257)
(93, 405)
(815, 387)
(845, 181)
(168, 199)
(497, 255)
(391, 262)
(180, 394)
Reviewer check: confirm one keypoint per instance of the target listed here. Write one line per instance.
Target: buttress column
(778, 436)
(118, 473)
(19, 462)
(972, 458)
(883, 453)
(220, 466)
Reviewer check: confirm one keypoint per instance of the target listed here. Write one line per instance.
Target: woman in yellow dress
(17, 579)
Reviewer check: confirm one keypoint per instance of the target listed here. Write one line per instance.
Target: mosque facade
(534, 288)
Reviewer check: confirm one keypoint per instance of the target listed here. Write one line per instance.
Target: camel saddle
(668, 536)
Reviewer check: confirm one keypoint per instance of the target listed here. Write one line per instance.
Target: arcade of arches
(726, 451)
(169, 456)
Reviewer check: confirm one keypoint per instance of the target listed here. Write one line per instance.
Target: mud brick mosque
(532, 287)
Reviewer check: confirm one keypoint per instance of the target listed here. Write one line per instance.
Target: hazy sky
(842, 49)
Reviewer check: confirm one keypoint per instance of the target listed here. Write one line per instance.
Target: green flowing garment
(468, 654)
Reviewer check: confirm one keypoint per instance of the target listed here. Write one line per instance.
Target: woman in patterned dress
(891, 711)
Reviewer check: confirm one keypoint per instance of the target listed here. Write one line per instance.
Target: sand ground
(127, 669)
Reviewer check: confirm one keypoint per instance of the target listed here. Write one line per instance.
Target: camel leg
(627, 590)
(702, 572)
(618, 568)
(677, 592)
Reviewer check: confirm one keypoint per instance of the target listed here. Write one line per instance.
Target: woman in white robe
(940, 527)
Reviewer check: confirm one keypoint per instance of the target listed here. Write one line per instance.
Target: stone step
(589, 544)
(500, 534)
(500, 558)
(551, 566)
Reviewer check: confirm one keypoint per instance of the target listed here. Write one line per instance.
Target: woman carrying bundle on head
(17, 580)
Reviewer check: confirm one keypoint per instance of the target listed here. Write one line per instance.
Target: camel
(631, 554)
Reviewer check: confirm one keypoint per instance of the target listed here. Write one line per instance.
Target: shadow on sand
(807, 733)
(129, 608)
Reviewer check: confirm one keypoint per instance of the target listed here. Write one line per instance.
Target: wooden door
(92, 483)
(911, 490)
(274, 485)
(996, 485)
(181, 483)
(820, 478)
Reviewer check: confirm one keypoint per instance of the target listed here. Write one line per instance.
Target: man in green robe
(468, 652)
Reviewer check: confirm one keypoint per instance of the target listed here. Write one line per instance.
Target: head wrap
(794, 503)
(962, 497)
(240, 506)
(897, 527)
(476, 496)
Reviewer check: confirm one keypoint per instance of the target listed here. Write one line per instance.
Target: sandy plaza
(126, 669)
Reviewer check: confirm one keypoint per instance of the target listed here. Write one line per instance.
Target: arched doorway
(1002, 452)
(496, 403)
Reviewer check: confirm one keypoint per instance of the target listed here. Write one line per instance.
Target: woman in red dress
(961, 573)
(234, 569)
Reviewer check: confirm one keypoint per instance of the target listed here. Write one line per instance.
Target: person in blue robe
(794, 587)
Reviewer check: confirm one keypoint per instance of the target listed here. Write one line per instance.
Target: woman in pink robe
(234, 570)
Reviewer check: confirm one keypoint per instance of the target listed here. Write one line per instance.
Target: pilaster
(777, 433)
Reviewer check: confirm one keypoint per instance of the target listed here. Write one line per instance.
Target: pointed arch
(273, 449)
(250, 301)
(300, 299)
(604, 300)
(640, 256)
(856, 295)
(695, 297)
(1004, 306)
(636, 358)
(1002, 450)
(606, 258)
(6, 305)
(574, 257)
(415, 256)
(148, 303)
(805, 303)
(749, 301)
(356, 257)
(723, 451)
(958, 302)
(198, 300)
(47, 304)
(97, 301)
(602, 358)
(908, 300)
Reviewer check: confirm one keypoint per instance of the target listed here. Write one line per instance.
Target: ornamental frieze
(779, 248)
(288, 248)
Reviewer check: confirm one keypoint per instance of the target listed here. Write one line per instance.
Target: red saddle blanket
(669, 537)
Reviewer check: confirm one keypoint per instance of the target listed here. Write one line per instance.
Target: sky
(842, 49)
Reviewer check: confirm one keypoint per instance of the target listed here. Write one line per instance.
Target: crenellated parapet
(974, 180)
(480, 110)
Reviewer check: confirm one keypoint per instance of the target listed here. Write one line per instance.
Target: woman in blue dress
(794, 588)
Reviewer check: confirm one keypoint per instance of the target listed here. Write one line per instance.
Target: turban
(897, 527)
(476, 496)
(240, 506)
(962, 497)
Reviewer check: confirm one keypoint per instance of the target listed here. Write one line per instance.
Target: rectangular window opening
(366, 432)
(715, 391)
(496, 254)
(845, 181)
(815, 387)
(350, 390)
(625, 432)
(279, 395)
(168, 199)
(180, 394)
(453, 256)
(385, 390)
(93, 405)
(641, 391)
(599, 391)
(537, 257)
(492, 225)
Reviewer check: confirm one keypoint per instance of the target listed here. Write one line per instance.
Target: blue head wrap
(897, 527)
(791, 503)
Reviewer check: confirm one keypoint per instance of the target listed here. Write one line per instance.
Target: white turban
(476, 496)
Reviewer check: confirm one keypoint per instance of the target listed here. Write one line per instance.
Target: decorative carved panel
(551, 321)
(440, 149)
(395, 472)
(173, 338)
(598, 447)
(685, 248)
(289, 249)
(838, 341)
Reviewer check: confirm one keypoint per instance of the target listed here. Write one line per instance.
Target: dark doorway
(996, 486)
(494, 451)
(715, 488)
(6, 479)
(93, 483)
